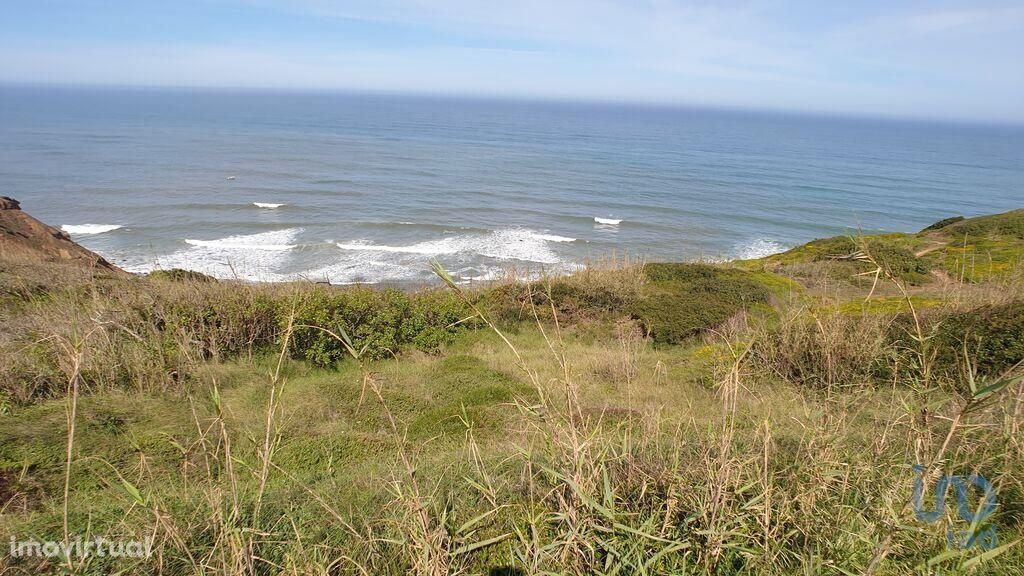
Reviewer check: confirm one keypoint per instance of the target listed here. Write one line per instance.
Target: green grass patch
(683, 300)
(885, 305)
(983, 258)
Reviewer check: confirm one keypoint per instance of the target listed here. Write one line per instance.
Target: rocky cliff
(24, 237)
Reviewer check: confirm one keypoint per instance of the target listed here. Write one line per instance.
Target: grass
(682, 300)
(629, 419)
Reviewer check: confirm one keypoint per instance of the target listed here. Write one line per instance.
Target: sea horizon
(273, 184)
(579, 101)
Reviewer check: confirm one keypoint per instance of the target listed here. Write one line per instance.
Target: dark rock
(7, 203)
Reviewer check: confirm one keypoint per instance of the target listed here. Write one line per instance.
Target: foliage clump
(683, 300)
(992, 336)
(379, 322)
(898, 261)
(180, 275)
(587, 294)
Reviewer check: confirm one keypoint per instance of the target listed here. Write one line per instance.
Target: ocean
(370, 188)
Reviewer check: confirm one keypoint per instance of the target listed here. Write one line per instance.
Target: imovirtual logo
(974, 516)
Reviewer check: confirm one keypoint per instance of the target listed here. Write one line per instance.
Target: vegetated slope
(662, 418)
(962, 248)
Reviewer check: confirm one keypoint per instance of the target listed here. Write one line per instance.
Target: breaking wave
(89, 228)
(508, 244)
(247, 256)
(758, 248)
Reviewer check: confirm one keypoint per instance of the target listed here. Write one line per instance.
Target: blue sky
(938, 59)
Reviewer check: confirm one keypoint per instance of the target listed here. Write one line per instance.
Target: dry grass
(774, 444)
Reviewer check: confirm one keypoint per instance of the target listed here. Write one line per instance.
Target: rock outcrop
(22, 236)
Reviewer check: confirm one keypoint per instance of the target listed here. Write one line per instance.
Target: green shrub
(683, 300)
(434, 320)
(379, 322)
(899, 261)
(993, 335)
(219, 322)
(180, 275)
(573, 299)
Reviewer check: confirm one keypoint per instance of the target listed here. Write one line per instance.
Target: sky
(934, 59)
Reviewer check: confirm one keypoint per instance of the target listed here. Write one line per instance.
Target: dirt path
(931, 248)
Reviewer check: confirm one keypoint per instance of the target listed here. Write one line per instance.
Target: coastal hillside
(963, 249)
(797, 413)
(22, 236)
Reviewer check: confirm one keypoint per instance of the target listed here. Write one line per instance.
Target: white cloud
(947, 20)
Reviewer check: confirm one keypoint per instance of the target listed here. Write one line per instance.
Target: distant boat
(230, 177)
(610, 221)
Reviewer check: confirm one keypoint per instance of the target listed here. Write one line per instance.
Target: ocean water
(370, 188)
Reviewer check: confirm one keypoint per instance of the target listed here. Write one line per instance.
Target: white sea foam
(89, 228)
(434, 247)
(609, 221)
(507, 244)
(247, 256)
(275, 257)
(362, 267)
(266, 205)
(555, 238)
(758, 248)
(249, 242)
(485, 275)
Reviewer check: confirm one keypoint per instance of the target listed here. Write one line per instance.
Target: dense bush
(672, 301)
(572, 300)
(180, 275)
(899, 261)
(149, 333)
(993, 336)
(826, 249)
(137, 334)
(682, 300)
(586, 294)
(379, 322)
(223, 321)
(434, 318)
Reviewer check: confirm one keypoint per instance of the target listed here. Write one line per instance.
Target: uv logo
(986, 539)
